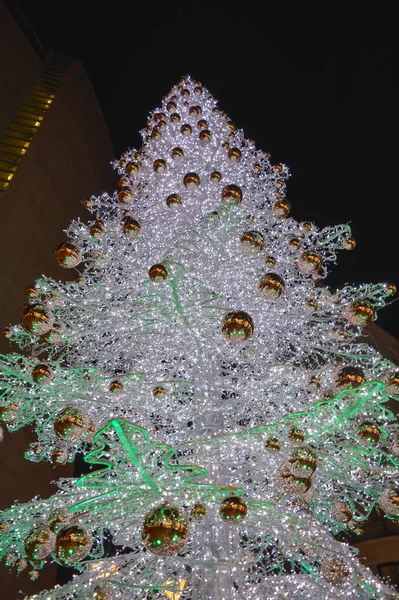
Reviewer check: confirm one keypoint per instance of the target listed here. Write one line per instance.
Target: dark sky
(317, 88)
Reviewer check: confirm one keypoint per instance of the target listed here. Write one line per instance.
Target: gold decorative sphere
(297, 436)
(233, 509)
(174, 201)
(205, 136)
(160, 116)
(68, 255)
(314, 383)
(131, 228)
(36, 319)
(309, 262)
(303, 462)
(234, 155)
(198, 90)
(256, 168)
(342, 512)
(97, 230)
(202, 124)
(177, 153)
(39, 543)
(281, 208)
(232, 194)
(349, 243)
(392, 387)
(293, 484)
(270, 261)
(155, 134)
(191, 181)
(368, 433)
(42, 374)
(237, 326)
(348, 378)
(72, 545)
(6, 333)
(175, 117)
(272, 445)
(159, 165)
(198, 511)
(185, 92)
(103, 591)
(252, 242)
(159, 391)
(171, 107)
(132, 169)
(71, 423)
(360, 313)
(59, 456)
(391, 289)
(306, 227)
(115, 386)
(389, 501)
(31, 292)
(195, 111)
(8, 413)
(125, 196)
(165, 530)
(294, 244)
(186, 129)
(312, 305)
(334, 571)
(215, 176)
(271, 286)
(157, 273)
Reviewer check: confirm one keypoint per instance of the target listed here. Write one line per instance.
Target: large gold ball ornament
(272, 445)
(281, 208)
(159, 165)
(252, 242)
(68, 255)
(72, 545)
(205, 136)
(115, 386)
(392, 387)
(349, 243)
(198, 511)
(186, 129)
(215, 176)
(58, 518)
(165, 530)
(334, 571)
(232, 194)
(296, 436)
(234, 155)
(97, 230)
(237, 326)
(342, 512)
(158, 273)
(125, 196)
(191, 181)
(348, 378)
(303, 462)
(31, 292)
(174, 201)
(271, 286)
(309, 262)
(159, 391)
(42, 374)
(71, 423)
(36, 319)
(368, 433)
(131, 228)
(9, 413)
(177, 153)
(360, 313)
(389, 501)
(233, 509)
(39, 543)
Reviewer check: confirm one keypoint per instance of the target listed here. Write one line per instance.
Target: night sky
(318, 89)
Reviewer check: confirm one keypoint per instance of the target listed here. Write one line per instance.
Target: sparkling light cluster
(200, 316)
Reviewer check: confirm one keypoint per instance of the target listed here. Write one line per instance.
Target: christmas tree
(232, 413)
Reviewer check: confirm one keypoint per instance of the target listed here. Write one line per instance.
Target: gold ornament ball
(389, 501)
(6, 333)
(174, 201)
(104, 592)
(159, 116)
(157, 273)
(165, 530)
(350, 243)
(391, 289)
(202, 124)
(132, 169)
(198, 511)
(293, 484)
(281, 208)
(215, 176)
(72, 545)
(177, 153)
(234, 155)
(334, 571)
(237, 326)
(71, 423)
(252, 242)
(59, 456)
(314, 383)
(294, 244)
(186, 129)
(39, 543)
(97, 230)
(198, 90)
(52, 337)
(36, 319)
(9, 413)
(368, 433)
(297, 436)
(271, 286)
(342, 512)
(205, 136)
(312, 305)
(159, 391)
(233, 509)
(232, 194)
(115, 386)
(348, 378)
(272, 445)
(125, 196)
(270, 261)
(392, 387)
(256, 168)
(42, 374)
(303, 462)
(57, 519)
(68, 255)
(171, 107)
(159, 165)
(31, 292)
(306, 227)
(131, 228)
(309, 262)
(191, 181)
(195, 111)
(175, 117)
(360, 313)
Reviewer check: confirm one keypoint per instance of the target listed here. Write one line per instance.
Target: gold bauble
(115, 386)
(159, 391)
(31, 292)
(159, 116)
(297, 436)
(159, 165)
(256, 168)
(155, 134)
(175, 117)
(165, 530)
(59, 456)
(348, 378)
(232, 194)
(252, 242)
(104, 591)
(309, 262)
(131, 228)
(42, 374)
(334, 571)
(198, 511)
(306, 227)
(91, 431)
(191, 181)
(391, 289)
(225, 145)
(202, 124)
(294, 244)
(97, 230)
(171, 107)
(272, 445)
(162, 125)
(270, 261)
(281, 208)
(237, 326)
(349, 243)
(8, 413)
(132, 169)
(234, 155)
(215, 176)
(6, 333)
(177, 153)
(157, 273)
(186, 129)
(68, 255)
(392, 387)
(71, 423)
(312, 305)
(125, 196)
(342, 512)
(314, 383)
(303, 462)
(72, 545)
(368, 433)
(185, 92)
(205, 136)
(174, 201)
(52, 337)
(271, 286)
(198, 90)
(39, 543)
(360, 313)
(36, 319)
(87, 203)
(233, 509)
(195, 111)
(292, 483)
(389, 501)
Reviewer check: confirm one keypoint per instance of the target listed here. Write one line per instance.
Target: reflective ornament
(97, 230)
(233, 509)
(281, 208)
(232, 194)
(314, 383)
(198, 511)
(174, 201)
(312, 305)
(71, 423)
(9, 413)
(195, 111)
(271, 286)
(391, 289)
(125, 196)
(389, 501)
(72, 545)
(272, 445)
(31, 292)
(42, 374)
(216, 176)
(237, 327)
(159, 391)
(292, 484)
(68, 255)
(177, 153)
(303, 462)
(348, 378)
(252, 242)
(36, 319)
(171, 107)
(342, 512)
(270, 261)
(198, 90)
(205, 136)
(234, 155)
(368, 433)
(186, 129)
(360, 313)
(392, 387)
(256, 168)
(39, 543)
(297, 436)
(59, 456)
(104, 591)
(349, 243)
(294, 244)
(52, 337)
(309, 262)
(306, 227)
(157, 273)
(58, 518)
(6, 333)
(131, 228)
(159, 165)
(160, 116)
(132, 169)
(202, 124)
(165, 530)
(115, 386)
(191, 181)
(334, 571)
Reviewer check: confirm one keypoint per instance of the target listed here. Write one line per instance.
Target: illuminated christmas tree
(232, 411)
